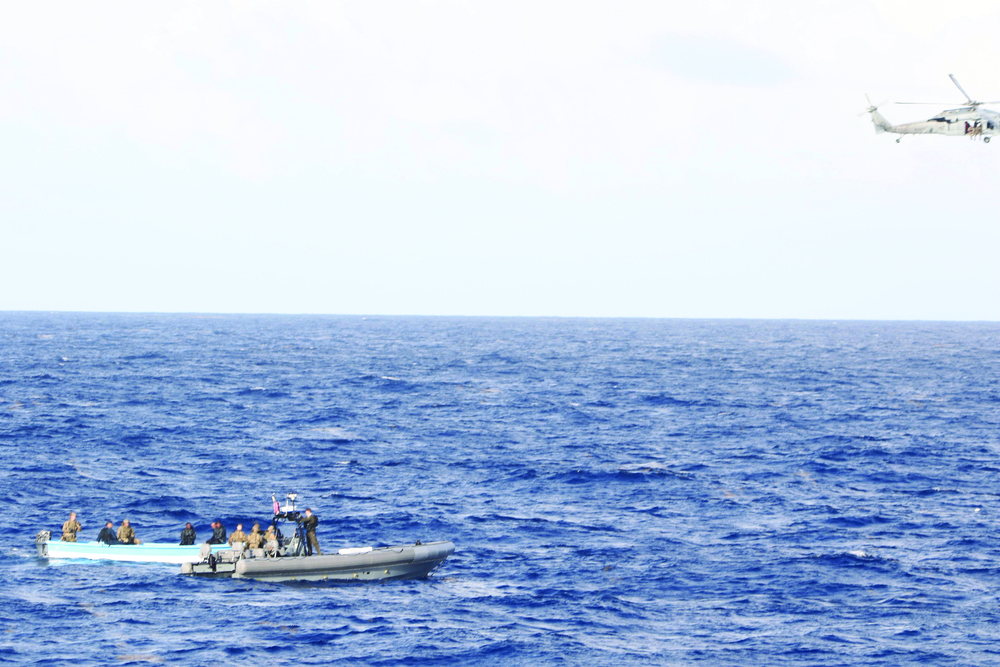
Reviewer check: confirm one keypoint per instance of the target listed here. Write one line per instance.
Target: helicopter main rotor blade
(959, 86)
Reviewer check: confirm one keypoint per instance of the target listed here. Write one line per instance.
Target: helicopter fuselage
(968, 120)
(954, 122)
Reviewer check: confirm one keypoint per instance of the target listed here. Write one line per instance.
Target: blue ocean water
(619, 491)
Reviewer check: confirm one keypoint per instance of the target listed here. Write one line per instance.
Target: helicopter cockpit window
(941, 119)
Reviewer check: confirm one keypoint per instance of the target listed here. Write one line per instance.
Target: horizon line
(484, 316)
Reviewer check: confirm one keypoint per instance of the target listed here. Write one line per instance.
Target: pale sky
(651, 159)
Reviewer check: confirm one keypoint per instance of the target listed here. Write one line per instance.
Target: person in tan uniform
(70, 528)
(255, 540)
(238, 535)
(270, 537)
(126, 534)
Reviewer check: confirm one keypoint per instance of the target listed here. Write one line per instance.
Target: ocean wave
(619, 492)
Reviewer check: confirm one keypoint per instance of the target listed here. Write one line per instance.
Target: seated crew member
(126, 534)
(238, 535)
(218, 533)
(107, 534)
(269, 536)
(188, 535)
(309, 523)
(70, 528)
(255, 540)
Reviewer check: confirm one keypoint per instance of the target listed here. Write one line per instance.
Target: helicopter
(966, 121)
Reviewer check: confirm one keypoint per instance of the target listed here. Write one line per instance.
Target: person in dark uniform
(309, 522)
(218, 533)
(188, 535)
(107, 534)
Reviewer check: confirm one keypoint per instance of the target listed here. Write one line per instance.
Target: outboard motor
(235, 553)
(41, 539)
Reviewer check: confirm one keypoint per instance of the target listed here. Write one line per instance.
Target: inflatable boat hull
(414, 561)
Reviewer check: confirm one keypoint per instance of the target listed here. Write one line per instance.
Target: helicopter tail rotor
(871, 107)
(881, 124)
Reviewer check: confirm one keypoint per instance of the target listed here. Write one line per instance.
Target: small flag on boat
(276, 507)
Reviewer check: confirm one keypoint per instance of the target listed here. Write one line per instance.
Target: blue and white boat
(152, 552)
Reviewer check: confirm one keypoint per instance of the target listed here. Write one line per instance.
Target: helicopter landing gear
(986, 140)
(897, 140)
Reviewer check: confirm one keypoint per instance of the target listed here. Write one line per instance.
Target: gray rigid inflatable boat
(403, 562)
(413, 561)
(284, 558)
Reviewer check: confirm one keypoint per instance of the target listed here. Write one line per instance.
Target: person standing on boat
(218, 533)
(188, 535)
(126, 534)
(309, 523)
(238, 535)
(255, 539)
(107, 534)
(70, 528)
